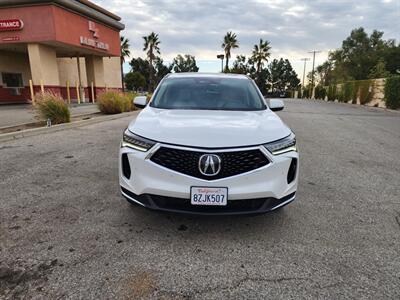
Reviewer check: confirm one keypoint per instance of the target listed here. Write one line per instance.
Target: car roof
(206, 75)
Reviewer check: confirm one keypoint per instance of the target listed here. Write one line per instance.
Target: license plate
(209, 196)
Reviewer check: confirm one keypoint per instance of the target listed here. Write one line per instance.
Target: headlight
(136, 142)
(284, 145)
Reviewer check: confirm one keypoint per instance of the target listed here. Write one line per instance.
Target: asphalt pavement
(67, 233)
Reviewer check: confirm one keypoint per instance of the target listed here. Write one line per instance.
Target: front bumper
(234, 207)
(156, 187)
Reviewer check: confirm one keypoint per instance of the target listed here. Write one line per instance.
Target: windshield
(208, 94)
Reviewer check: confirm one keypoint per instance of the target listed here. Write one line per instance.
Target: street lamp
(221, 57)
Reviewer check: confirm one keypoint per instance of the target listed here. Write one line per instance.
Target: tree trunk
(227, 63)
(151, 75)
(122, 74)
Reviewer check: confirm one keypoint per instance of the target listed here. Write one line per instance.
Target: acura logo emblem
(209, 164)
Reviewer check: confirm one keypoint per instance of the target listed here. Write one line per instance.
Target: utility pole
(304, 70)
(312, 73)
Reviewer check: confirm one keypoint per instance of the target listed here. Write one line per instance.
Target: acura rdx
(208, 144)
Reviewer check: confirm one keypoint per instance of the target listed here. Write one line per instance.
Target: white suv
(208, 144)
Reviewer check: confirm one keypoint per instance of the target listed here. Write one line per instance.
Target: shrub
(347, 89)
(306, 93)
(320, 92)
(392, 92)
(340, 94)
(49, 105)
(131, 95)
(114, 102)
(332, 92)
(365, 91)
(354, 96)
(299, 93)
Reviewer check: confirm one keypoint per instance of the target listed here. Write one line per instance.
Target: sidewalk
(12, 115)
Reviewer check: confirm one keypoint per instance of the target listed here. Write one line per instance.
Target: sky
(293, 27)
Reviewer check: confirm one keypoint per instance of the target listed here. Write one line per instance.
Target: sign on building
(12, 24)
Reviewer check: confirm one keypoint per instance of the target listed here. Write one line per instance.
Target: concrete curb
(38, 122)
(44, 130)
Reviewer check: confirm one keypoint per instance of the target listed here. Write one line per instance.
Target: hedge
(365, 91)
(347, 89)
(306, 93)
(299, 93)
(392, 92)
(332, 92)
(340, 94)
(320, 92)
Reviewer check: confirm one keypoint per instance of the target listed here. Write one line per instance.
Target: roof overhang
(83, 7)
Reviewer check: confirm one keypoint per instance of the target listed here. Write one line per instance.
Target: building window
(12, 80)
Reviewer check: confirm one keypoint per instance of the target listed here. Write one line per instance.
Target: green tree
(391, 57)
(141, 66)
(282, 75)
(360, 57)
(135, 81)
(151, 45)
(323, 73)
(229, 42)
(161, 69)
(260, 54)
(186, 63)
(262, 79)
(379, 70)
(125, 52)
(242, 66)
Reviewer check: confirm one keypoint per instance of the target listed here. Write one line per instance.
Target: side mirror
(140, 101)
(276, 104)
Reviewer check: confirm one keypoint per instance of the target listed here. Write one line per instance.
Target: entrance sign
(12, 24)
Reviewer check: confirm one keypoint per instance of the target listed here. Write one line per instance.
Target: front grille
(232, 163)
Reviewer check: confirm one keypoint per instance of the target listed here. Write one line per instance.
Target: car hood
(209, 128)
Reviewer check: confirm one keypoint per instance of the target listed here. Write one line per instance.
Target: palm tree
(230, 42)
(260, 54)
(125, 52)
(151, 45)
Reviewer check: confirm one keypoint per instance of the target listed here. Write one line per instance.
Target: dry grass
(114, 102)
(49, 105)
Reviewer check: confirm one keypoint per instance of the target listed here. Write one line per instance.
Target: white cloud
(293, 27)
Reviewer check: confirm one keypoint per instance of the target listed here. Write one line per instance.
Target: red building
(71, 47)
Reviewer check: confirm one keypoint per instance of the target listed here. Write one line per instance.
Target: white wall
(112, 72)
(68, 68)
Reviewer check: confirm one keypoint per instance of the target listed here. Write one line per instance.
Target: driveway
(66, 232)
